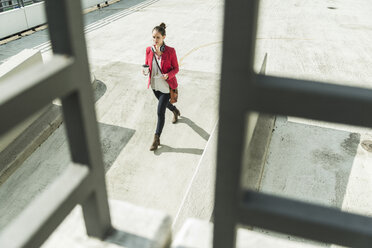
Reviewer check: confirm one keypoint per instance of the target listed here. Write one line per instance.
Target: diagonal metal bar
(26, 93)
(306, 220)
(82, 131)
(46, 212)
(313, 100)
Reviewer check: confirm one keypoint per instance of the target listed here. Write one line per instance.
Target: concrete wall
(35, 14)
(18, 24)
(251, 125)
(14, 65)
(25, 18)
(19, 62)
(90, 3)
(256, 148)
(259, 128)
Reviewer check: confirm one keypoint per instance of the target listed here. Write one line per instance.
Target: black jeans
(162, 105)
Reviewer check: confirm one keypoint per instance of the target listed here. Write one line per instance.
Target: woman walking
(163, 67)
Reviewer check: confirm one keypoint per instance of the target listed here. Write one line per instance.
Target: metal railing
(15, 4)
(66, 77)
(242, 91)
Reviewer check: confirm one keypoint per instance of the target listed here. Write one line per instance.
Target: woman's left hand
(165, 76)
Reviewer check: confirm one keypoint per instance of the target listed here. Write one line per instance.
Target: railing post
(20, 3)
(237, 62)
(67, 35)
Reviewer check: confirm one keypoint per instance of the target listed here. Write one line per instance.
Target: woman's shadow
(164, 148)
(195, 127)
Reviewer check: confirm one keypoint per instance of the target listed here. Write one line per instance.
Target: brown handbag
(173, 95)
(173, 92)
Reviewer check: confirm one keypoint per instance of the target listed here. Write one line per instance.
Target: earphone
(162, 48)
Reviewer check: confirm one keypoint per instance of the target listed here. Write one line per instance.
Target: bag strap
(152, 49)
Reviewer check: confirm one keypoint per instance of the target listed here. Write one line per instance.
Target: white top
(157, 81)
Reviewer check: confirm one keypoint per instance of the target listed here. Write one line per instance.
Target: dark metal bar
(313, 100)
(46, 212)
(69, 79)
(242, 91)
(26, 93)
(236, 63)
(67, 36)
(82, 131)
(306, 220)
(65, 18)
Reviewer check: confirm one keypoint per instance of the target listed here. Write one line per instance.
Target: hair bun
(163, 25)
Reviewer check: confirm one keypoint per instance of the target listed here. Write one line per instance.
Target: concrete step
(199, 234)
(134, 227)
(34, 132)
(199, 203)
(15, 153)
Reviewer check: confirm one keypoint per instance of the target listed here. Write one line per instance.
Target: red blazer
(169, 65)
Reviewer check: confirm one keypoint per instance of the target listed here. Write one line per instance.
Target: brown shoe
(176, 113)
(155, 143)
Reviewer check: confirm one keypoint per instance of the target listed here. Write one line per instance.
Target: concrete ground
(126, 109)
(307, 160)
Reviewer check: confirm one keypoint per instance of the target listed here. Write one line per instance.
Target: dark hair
(161, 29)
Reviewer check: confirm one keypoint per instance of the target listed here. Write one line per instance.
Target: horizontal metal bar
(33, 226)
(306, 220)
(313, 100)
(24, 94)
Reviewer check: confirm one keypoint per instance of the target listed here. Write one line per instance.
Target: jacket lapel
(151, 57)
